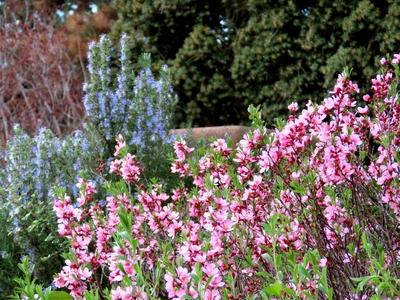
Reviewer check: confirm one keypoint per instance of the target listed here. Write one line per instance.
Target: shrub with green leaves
(226, 55)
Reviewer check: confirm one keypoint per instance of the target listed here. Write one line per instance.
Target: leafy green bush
(226, 55)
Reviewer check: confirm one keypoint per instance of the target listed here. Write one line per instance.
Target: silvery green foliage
(32, 167)
(35, 165)
(138, 107)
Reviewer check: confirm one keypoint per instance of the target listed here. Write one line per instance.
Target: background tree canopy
(227, 54)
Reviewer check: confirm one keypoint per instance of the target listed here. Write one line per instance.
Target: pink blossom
(323, 262)
(212, 294)
(182, 150)
(130, 168)
(115, 167)
(293, 107)
(119, 145)
(396, 59)
(367, 98)
(363, 110)
(221, 146)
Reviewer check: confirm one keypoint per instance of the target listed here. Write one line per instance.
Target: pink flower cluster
(90, 229)
(324, 172)
(182, 152)
(127, 167)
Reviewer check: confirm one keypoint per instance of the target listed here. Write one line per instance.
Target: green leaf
(366, 245)
(264, 295)
(289, 292)
(303, 271)
(362, 281)
(59, 295)
(386, 140)
(274, 289)
(125, 219)
(298, 188)
(363, 155)
(267, 256)
(278, 261)
(255, 116)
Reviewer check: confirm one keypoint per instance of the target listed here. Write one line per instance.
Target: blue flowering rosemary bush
(33, 167)
(137, 107)
(117, 101)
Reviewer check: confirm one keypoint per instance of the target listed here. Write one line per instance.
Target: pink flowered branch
(324, 173)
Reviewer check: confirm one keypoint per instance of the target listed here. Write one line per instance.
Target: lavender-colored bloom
(158, 86)
(74, 189)
(76, 166)
(16, 225)
(115, 104)
(150, 80)
(87, 104)
(102, 75)
(85, 144)
(102, 105)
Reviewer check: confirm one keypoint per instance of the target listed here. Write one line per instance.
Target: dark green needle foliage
(227, 54)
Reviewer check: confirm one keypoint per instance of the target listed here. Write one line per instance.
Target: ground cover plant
(117, 101)
(310, 210)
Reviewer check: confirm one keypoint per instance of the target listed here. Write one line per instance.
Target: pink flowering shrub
(308, 211)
